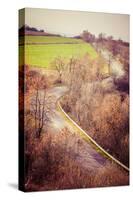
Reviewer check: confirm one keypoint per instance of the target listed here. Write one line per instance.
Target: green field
(41, 50)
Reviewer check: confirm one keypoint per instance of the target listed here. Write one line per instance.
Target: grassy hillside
(41, 50)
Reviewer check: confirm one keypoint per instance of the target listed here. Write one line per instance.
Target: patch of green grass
(42, 55)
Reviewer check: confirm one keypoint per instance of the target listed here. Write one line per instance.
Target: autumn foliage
(52, 164)
(99, 106)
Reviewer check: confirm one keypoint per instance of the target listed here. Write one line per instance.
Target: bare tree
(101, 37)
(71, 68)
(100, 42)
(88, 37)
(110, 59)
(41, 105)
(58, 64)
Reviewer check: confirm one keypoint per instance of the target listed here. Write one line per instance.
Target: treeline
(118, 48)
(28, 28)
(98, 106)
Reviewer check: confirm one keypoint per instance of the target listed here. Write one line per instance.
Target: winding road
(87, 155)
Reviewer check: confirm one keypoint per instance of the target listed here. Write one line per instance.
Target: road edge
(109, 156)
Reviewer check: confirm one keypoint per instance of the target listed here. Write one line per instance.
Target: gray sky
(72, 23)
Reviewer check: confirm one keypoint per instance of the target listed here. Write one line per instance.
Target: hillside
(40, 51)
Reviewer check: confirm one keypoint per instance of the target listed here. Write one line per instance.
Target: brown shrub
(53, 165)
(110, 175)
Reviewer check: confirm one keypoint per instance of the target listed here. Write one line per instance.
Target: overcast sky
(72, 23)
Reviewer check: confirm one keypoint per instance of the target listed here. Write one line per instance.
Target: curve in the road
(94, 143)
